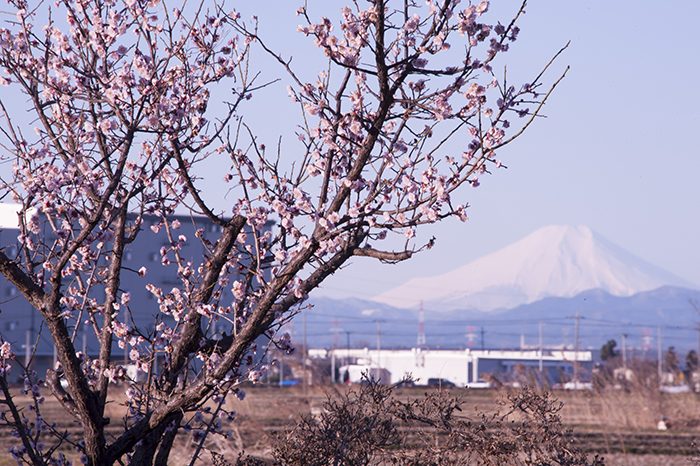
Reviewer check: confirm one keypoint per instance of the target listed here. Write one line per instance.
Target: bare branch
(384, 256)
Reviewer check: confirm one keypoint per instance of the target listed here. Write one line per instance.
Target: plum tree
(120, 92)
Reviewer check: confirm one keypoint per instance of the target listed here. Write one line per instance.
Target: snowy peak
(554, 261)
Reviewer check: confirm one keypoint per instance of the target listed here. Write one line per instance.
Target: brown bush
(371, 427)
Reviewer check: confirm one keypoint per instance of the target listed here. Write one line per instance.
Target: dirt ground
(621, 427)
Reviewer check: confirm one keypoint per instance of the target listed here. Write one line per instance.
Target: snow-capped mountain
(554, 261)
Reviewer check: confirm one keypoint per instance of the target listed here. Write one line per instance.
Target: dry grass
(266, 410)
(634, 411)
(619, 459)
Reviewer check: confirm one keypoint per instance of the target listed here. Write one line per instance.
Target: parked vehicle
(440, 383)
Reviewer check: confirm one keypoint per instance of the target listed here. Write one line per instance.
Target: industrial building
(464, 368)
(21, 324)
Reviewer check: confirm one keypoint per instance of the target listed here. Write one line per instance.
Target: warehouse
(464, 368)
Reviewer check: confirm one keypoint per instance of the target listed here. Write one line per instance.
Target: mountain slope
(558, 261)
(353, 322)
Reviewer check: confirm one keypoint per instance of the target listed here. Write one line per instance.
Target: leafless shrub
(371, 427)
(219, 460)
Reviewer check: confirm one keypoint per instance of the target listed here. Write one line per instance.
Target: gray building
(21, 324)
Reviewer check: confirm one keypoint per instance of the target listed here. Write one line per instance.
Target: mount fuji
(554, 261)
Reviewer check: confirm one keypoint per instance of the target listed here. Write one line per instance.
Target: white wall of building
(461, 367)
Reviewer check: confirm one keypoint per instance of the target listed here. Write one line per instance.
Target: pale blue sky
(616, 152)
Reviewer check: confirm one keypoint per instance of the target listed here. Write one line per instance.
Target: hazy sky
(615, 153)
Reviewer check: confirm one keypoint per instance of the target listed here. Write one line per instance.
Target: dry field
(622, 427)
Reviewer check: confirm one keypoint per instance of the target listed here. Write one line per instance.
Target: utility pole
(658, 349)
(281, 371)
(304, 355)
(379, 342)
(347, 347)
(624, 351)
(578, 317)
(541, 324)
(333, 379)
(483, 346)
(421, 327)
